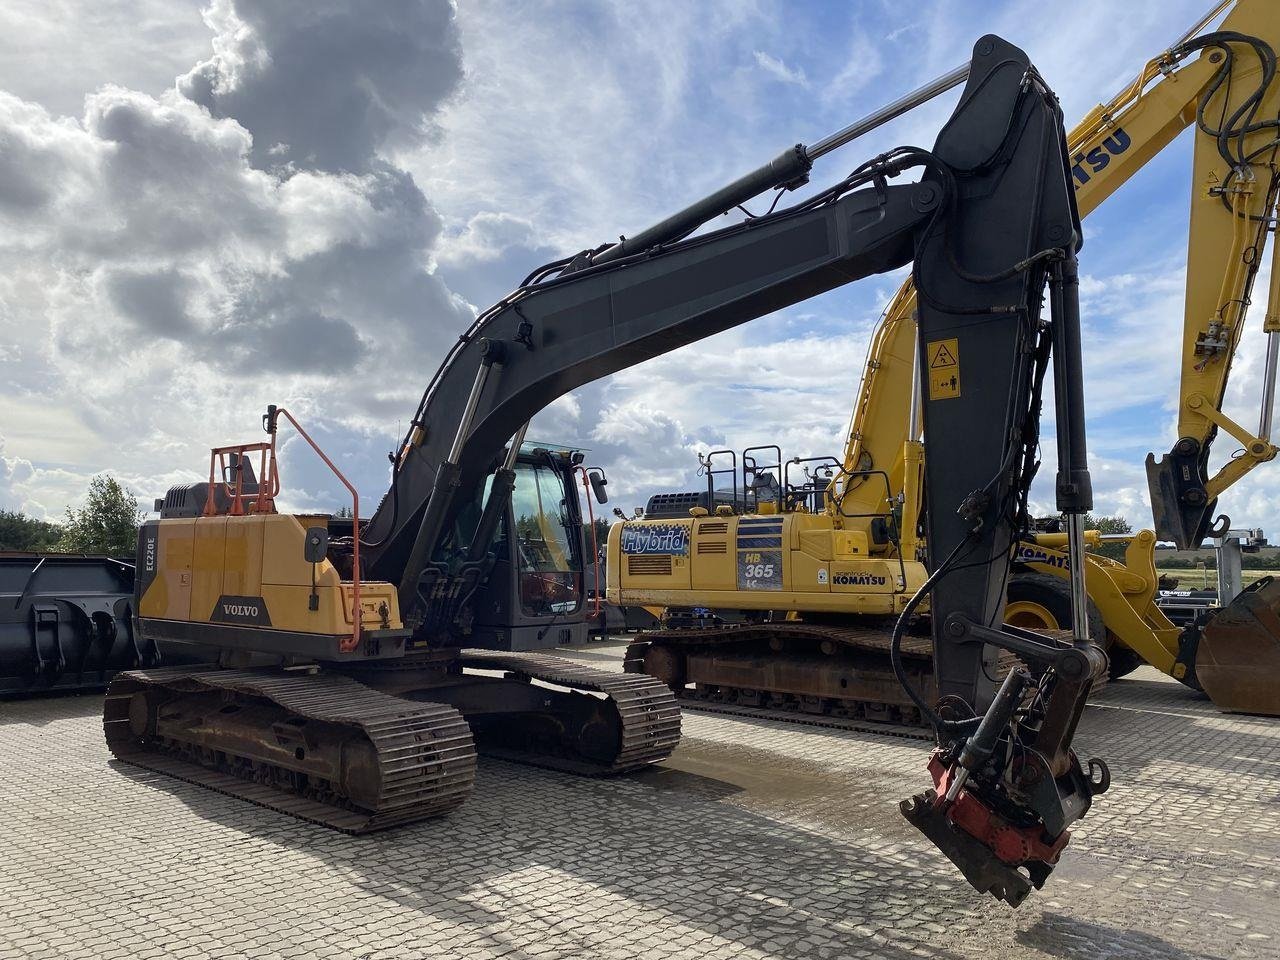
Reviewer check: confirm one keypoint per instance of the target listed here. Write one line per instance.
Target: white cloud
(486, 237)
(164, 275)
(779, 70)
(53, 52)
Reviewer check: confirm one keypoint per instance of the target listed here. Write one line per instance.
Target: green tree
(107, 523)
(344, 513)
(602, 534)
(20, 532)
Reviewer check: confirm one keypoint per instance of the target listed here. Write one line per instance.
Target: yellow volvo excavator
(346, 691)
(771, 570)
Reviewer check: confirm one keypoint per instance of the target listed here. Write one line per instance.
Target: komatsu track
(792, 670)
(392, 746)
(322, 747)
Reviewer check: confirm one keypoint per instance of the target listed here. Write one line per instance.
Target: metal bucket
(66, 624)
(1238, 656)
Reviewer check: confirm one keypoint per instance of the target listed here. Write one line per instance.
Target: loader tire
(1042, 601)
(1123, 660)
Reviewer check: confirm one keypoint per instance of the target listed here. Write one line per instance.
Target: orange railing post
(354, 642)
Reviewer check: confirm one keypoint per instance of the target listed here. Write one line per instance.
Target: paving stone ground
(756, 840)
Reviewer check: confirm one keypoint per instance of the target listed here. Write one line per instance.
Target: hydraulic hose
(895, 649)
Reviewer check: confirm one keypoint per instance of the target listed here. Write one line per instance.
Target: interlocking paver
(757, 840)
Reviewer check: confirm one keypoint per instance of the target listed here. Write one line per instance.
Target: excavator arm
(990, 225)
(1199, 80)
(601, 312)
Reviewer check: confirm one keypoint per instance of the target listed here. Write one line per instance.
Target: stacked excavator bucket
(1238, 657)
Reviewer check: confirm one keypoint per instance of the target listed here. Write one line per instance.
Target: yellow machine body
(1124, 593)
(203, 579)
(756, 562)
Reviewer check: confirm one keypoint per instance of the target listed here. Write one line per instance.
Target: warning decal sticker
(944, 369)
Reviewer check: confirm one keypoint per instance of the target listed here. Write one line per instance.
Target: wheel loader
(779, 614)
(346, 690)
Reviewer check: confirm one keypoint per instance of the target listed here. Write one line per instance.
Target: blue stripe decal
(745, 543)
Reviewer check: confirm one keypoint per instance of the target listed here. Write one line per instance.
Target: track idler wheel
(599, 734)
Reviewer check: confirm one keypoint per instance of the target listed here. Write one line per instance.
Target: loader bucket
(1238, 657)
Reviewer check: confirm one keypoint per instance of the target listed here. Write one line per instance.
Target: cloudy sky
(208, 207)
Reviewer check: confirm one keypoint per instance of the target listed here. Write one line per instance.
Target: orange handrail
(346, 646)
(264, 501)
(268, 483)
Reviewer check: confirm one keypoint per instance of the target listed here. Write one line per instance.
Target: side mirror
(316, 547)
(598, 483)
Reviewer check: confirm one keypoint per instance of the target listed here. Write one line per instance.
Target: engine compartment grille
(649, 566)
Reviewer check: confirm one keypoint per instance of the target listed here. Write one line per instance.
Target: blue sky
(186, 259)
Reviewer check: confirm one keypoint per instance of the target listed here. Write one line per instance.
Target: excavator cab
(533, 597)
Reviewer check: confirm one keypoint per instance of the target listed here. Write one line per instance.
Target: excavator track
(397, 762)
(647, 711)
(808, 673)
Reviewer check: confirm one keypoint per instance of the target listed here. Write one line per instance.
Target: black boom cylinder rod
(787, 171)
(1075, 488)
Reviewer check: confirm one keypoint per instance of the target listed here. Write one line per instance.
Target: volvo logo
(244, 610)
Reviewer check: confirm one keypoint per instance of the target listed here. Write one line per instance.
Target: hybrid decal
(1098, 158)
(665, 538)
(241, 610)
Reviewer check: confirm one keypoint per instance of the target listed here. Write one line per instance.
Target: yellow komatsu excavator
(770, 576)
